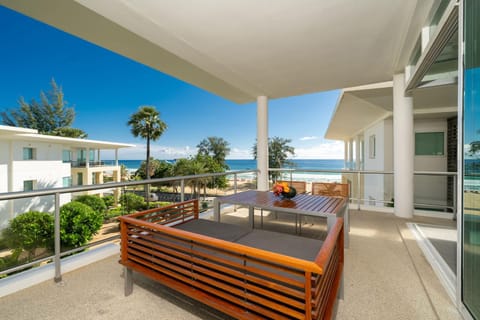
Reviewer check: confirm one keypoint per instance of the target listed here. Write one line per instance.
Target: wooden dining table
(301, 205)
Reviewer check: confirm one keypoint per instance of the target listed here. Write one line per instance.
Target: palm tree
(279, 151)
(146, 123)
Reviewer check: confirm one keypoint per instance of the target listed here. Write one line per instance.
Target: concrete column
(345, 154)
(262, 143)
(358, 158)
(116, 157)
(403, 148)
(87, 159)
(350, 154)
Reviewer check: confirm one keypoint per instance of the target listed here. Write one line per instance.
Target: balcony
(83, 164)
(386, 276)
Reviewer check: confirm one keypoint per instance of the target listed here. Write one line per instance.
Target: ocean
(310, 164)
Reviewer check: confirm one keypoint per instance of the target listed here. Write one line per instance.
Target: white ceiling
(361, 107)
(243, 49)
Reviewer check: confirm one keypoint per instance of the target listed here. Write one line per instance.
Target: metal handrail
(56, 192)
(358, 173)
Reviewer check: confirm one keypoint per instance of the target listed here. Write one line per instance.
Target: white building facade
(31, 161)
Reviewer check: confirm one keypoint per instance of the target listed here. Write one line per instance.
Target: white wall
(47, 171)
(3, 178)
(374, 183)
(428, 189)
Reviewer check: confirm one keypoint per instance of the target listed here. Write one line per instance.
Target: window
(80, 178)
(29, 185)
(29, 154)
(429, 143)
(372, 148)
(67, 181)
(66, 156)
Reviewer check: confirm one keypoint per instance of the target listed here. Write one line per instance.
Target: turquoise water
(310, 164)
(334, 164)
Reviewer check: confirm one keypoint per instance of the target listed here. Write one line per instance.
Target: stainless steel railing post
(359, 193)
(58, 272)
(235, 183)
(182, 190)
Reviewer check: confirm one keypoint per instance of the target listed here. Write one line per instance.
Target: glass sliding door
(471, 115)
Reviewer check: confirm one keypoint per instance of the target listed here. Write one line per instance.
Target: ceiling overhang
(361, 107)
(243, 49)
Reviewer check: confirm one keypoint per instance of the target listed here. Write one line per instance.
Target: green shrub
(132, 202)
(109, 201)
(114, 212)
(29, 231)
(78, 224)
(94, 202)
(204, 205)
(10, 261)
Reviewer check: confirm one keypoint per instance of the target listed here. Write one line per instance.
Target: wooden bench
(239, 271)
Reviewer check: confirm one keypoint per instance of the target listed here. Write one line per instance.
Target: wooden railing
(239, 280)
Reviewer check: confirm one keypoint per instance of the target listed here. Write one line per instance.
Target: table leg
(251, 216)
(346, 226)
(216, 210)
(331, 219)
(261, 218)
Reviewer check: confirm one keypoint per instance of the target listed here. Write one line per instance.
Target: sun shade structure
(244, 49)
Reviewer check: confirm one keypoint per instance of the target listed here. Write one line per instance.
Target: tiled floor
(386, 277)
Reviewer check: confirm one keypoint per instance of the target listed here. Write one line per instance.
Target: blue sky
(105, 89)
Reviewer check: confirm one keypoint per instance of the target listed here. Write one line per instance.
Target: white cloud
(308, 138)
(236, 153)
(156, 151)
(326, 150)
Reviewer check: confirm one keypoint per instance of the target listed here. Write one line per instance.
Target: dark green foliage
(215, 147)
(146, 123)
(94, 202)
(51, 115)
(109, 201)
(115, 212)
(10, 261)
(29, 231)
(158, 169)
(279, 151)
(69, 133)
(212, 166)
(132, 202)
(78, 223)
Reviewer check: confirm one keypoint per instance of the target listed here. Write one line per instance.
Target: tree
(216, 147)
(146, 123)
(69, 133)
(29, 231)
(279, 151)
(51, 115)
(78, 224)
(158, 169)
(188, 167)
(212, 166)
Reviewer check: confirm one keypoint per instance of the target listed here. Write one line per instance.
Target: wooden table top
(301, 203)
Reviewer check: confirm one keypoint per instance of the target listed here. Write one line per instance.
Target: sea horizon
(251, 164)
